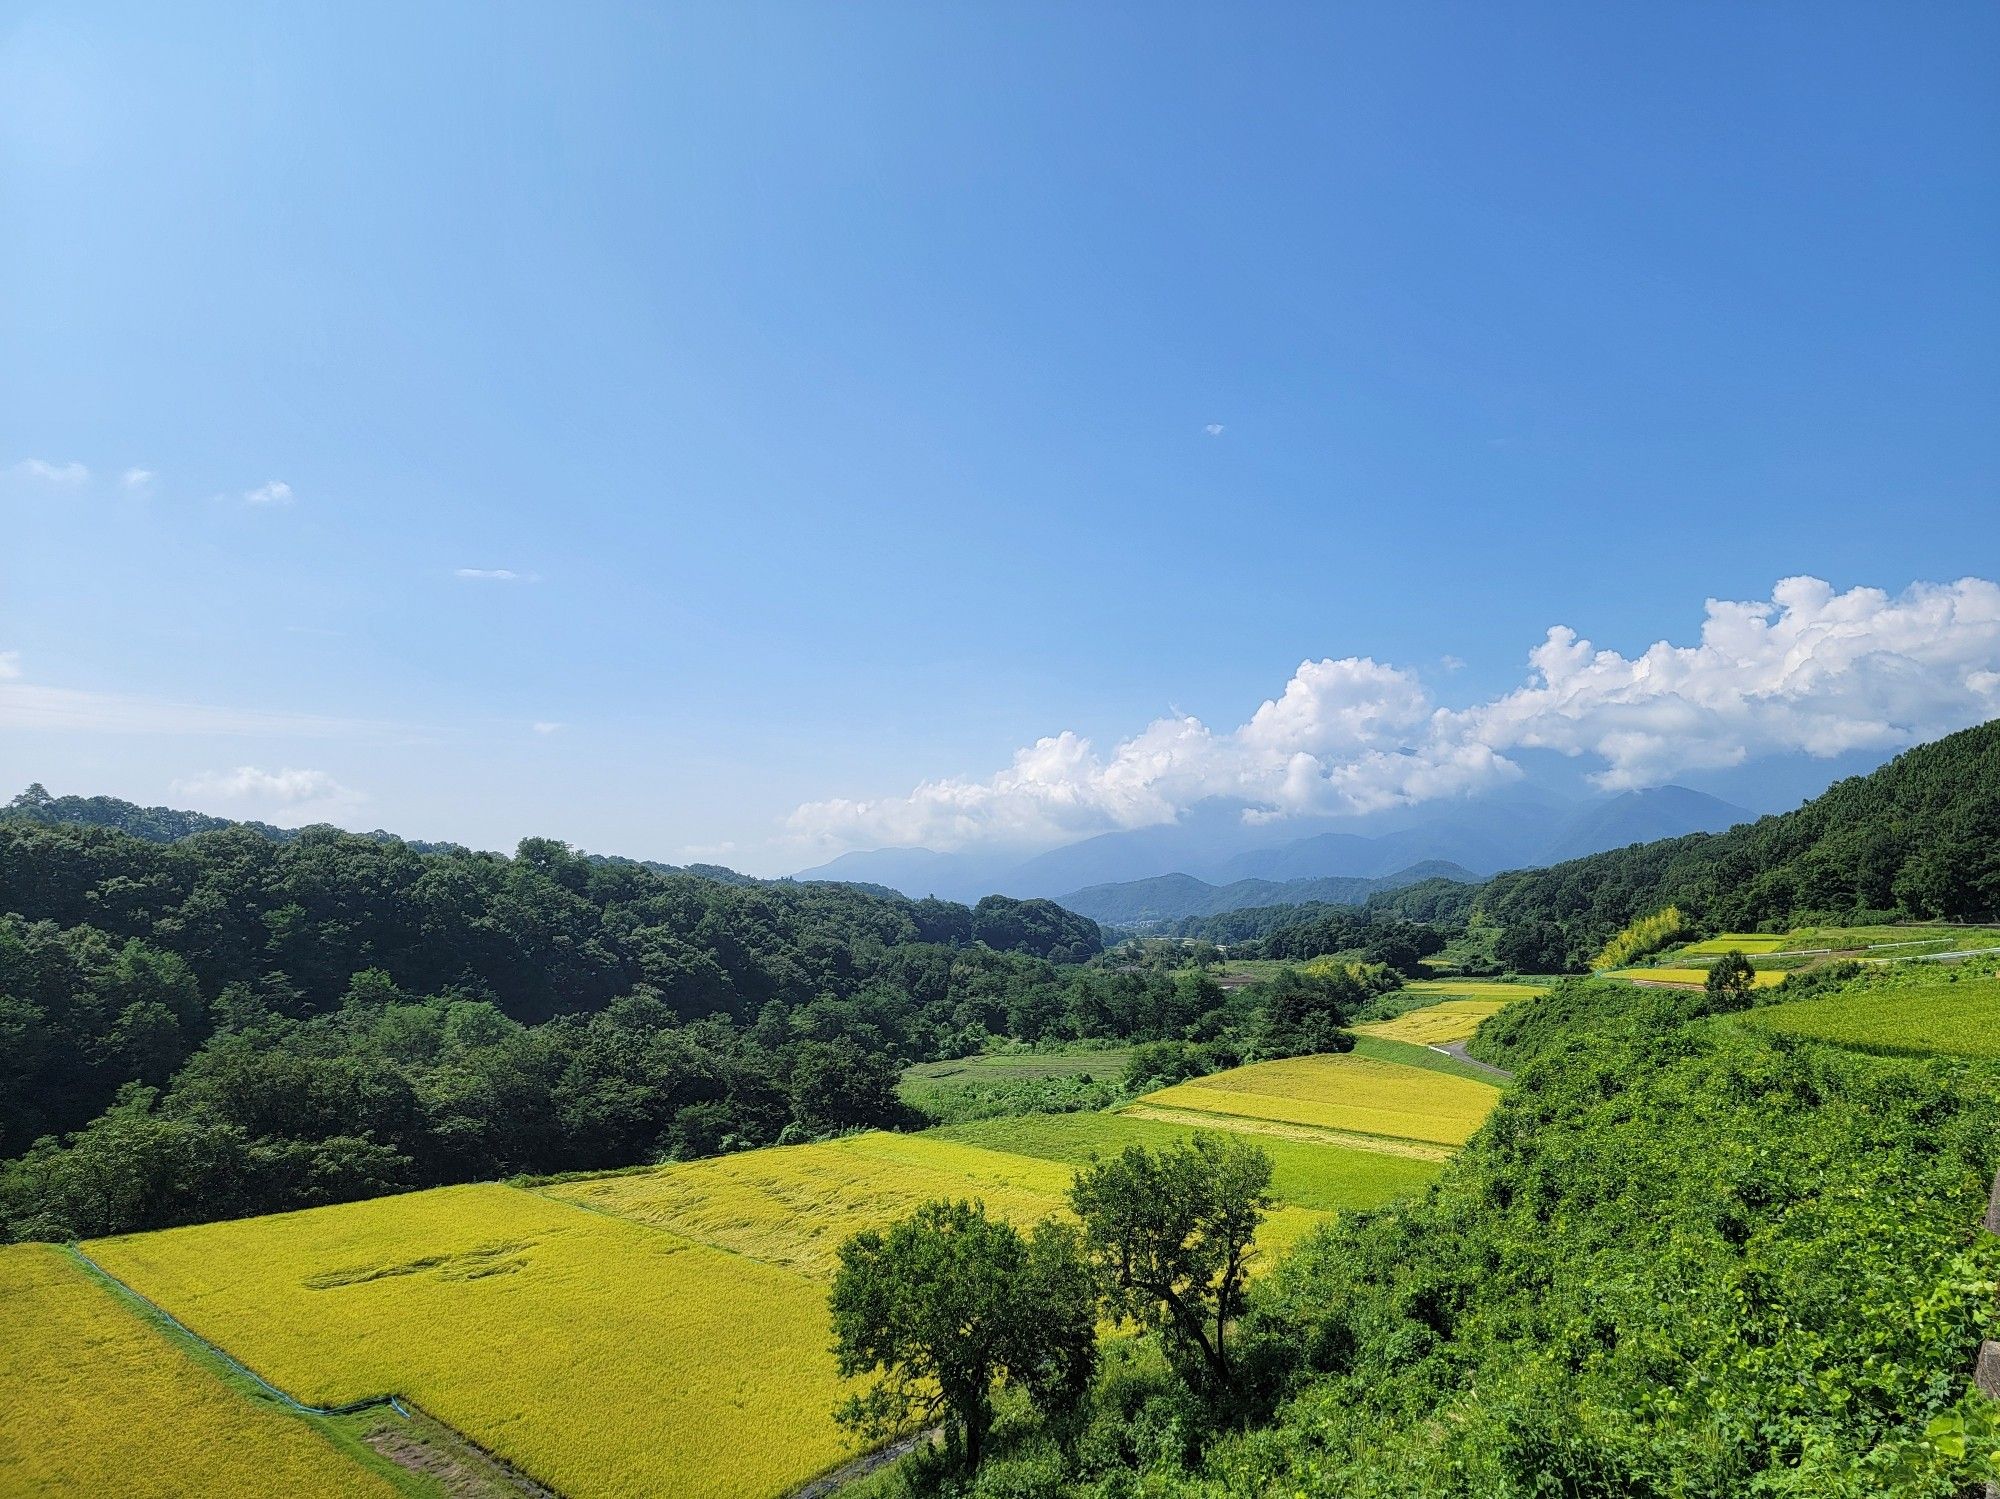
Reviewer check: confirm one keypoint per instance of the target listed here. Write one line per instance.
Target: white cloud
(1213, 429)
(283, 788)
(10, 665)
(546, 726)
(137, 478)
(275, 492)
(1810, 670)
(53, 473)
(493, 575)
(1452, 663)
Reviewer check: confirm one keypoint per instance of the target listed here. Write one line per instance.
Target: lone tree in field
(1730, 980)
(1170, 1235)
(949, 1304)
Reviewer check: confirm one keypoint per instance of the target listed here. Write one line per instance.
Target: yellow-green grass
(1763, 978)
(793, 1205)
(602, 1356)
(1843, 939)
(941, 1087)
(1305, 1172)
(95, 1399)
(1020, 1066)
(1475, 988)
(1344, 1092)
(1449, 1020)
(1429, 1058)
(1935, 1012)
(1848, 938)
(1747, 943)
(1280, 1129)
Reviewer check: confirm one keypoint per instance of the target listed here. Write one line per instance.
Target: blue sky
(861, 394)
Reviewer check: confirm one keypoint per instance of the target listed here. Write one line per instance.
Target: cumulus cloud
(10, 665)
(1213, 429)
(492, 575)
(1809, 670)
(284, 788)
(136, 478)
(275, 492)
(546, 726)
(52, 473)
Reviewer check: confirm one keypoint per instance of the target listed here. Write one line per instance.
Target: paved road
(1456, 1051)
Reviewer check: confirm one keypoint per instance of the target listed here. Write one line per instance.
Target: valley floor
(643, 1332)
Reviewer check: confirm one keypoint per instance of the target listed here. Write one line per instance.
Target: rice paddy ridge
(409, 1410)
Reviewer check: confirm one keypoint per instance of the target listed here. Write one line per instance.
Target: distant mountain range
(1213, 845)
(1139, 904)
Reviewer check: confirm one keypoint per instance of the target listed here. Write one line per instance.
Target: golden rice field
(1448, 1020)
(652, 1332)
(1748, 943)
(1347, 1092)
(1475, 988)
(644, 1333)
(95, 1400)
(793, 1205)
(602, 1356)
(1768, 978)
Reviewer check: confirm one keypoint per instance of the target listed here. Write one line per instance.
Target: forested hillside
(235, 1023)
(1918, 838)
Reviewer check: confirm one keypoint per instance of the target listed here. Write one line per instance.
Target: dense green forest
(228, 1023)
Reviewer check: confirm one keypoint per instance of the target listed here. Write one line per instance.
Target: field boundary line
(410, 1411)
(1285, 1129)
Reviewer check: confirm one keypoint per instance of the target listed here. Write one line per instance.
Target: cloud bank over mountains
(1809, 670)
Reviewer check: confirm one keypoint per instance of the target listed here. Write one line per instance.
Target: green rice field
(1308, 1174)
(1923, 1009)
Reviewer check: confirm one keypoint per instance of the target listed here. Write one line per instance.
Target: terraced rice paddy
(1475, 988)
(602, 1356)
(1748, 943)
(1932, 1010)
(1764, 978)
(645, 1332)
(1348, 1093)
(639, 1333)
(1309, 1173)
(96, 1400)
(1448, 1020)
(792, 1206)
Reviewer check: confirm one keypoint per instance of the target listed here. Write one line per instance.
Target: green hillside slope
(1918, 838)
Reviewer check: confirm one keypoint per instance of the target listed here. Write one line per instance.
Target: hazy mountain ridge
(1175, 897)
(1521, 828)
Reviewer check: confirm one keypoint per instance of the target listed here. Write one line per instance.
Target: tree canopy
(1170, 1232)
(949, 1304)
